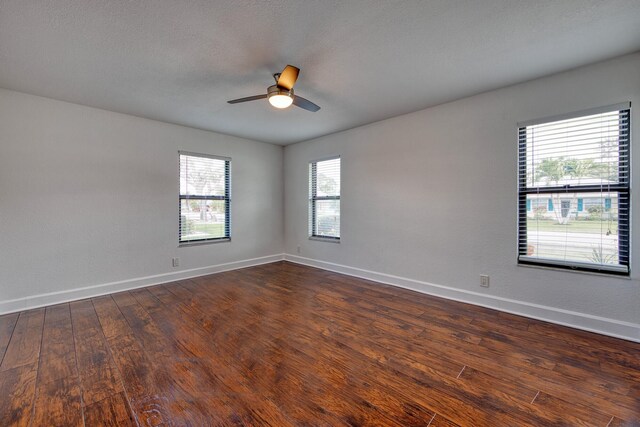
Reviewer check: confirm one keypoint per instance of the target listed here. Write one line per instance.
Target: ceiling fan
(281, 94)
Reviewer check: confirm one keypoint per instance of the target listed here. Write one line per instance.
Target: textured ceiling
(361, 60)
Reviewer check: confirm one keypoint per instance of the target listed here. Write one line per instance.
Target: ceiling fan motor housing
(277, 90)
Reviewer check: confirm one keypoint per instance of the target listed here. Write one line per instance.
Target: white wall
(430, 197)
(90, 197)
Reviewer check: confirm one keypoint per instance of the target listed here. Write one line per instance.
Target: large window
(574, 191)
(324, 199)
(204, 198)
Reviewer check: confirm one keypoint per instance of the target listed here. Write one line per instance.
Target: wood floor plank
(98, 374)
(58, 403)
(111, 323)
(440, 421)
(549, 348)
(58, 400)
(24, 346)
(562, 412)
(17, 393)
(162, 294)
(19, 369)
(149, 404)
(508, 391)
(7, 324)
(593, 378)
(617, 422)
(110, 412)
(145, 385)
(57, 355)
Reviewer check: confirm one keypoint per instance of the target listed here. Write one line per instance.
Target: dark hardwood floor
(287, 345)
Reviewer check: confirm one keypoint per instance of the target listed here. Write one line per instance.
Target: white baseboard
(573, 319)
(587, 322)
(41, 300)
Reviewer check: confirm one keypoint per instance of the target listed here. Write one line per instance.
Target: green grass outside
(206, 231)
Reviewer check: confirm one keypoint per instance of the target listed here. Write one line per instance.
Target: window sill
(203, 242)
(325, 239)
(569, 270)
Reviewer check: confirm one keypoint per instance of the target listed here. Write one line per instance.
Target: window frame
(226, 198)
(622, 188)
(314, 198)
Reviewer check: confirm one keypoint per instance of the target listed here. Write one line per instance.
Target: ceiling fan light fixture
(281, 101)
(279, 97)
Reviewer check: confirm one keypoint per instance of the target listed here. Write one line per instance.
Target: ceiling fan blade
(248, 98)
(305, 103)
(288, 77)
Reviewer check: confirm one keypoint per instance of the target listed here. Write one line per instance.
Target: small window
(204, 198)
(324, 199)
(579, 165)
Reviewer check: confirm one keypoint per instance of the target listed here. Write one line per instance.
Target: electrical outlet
(484, 280)
(176, 262)
(298, 249)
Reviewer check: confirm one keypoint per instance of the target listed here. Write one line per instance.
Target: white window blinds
(574, 201)
(324, 199)
(204, 200)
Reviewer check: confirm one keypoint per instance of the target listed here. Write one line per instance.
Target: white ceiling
(361, 60)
